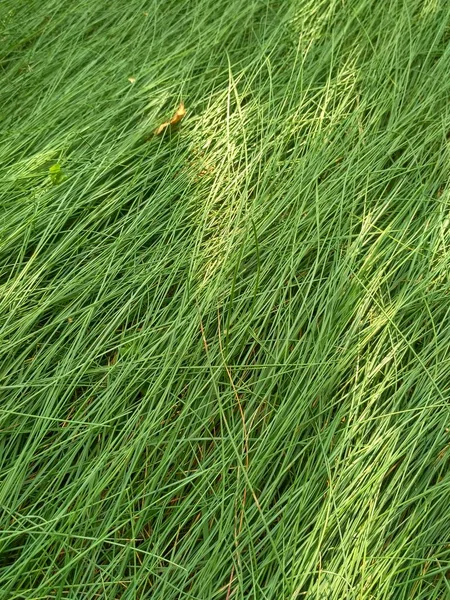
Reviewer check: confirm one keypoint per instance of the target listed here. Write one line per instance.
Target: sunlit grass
(224, 360)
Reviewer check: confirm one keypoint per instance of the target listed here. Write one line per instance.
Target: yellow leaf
(176, 118)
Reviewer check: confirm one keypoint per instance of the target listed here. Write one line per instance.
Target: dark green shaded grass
(224, 360)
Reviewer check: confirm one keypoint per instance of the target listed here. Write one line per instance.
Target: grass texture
(224, 358)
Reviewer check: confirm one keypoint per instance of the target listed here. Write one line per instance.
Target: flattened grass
(224, 361)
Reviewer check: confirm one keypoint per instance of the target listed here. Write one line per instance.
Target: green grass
(224, 358)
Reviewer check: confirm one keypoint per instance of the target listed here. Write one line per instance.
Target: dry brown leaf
(178, 115)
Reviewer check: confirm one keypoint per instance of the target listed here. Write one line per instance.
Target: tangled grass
(224, 350)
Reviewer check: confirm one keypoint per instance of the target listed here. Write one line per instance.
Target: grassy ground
(224, 358)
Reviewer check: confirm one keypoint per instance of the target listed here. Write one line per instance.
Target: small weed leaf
(57, 175)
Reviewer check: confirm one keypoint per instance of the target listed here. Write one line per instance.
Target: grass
(225, 367)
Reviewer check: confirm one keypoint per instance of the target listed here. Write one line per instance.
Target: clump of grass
(224, 360)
